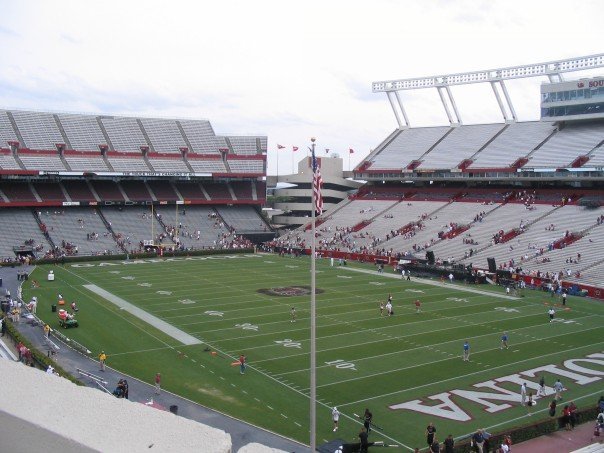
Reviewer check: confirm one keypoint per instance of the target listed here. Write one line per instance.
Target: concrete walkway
(562, 441)
(142, 392)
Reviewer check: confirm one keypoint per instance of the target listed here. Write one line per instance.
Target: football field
(191, 318)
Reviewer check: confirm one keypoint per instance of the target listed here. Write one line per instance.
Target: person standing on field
(335, 415)
(558, 387)
(157, 384)
(102, 359)
(466, 351)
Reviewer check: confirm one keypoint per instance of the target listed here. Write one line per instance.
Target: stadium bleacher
(515, 142)
(460, 144)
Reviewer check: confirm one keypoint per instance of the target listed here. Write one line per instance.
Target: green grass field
(363, 360)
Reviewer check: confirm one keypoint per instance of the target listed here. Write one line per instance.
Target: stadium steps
(231, 150)
(228, 227)
(153, 197)
(4, 197)
(595, 148)
(528, 156)
(105, 134)
(184, 136)
(93, 191)
(34, 192)
(63, 134)
(421, 158)
(230, 189)
(65, 163)
(184, 158)
(176, 191)
(227, 166)
(146, 160)
(107, 162)
(395, 133)
(18, 160)
(34, 212)
(160, 220)
(491, 140)
(122, 191)
(147, 139)
(13, 123)
(254, 192)
(64, 191)
(204, 191)
(110, 229)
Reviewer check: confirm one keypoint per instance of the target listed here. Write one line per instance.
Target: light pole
(313, 321)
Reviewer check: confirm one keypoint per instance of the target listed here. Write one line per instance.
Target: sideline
(425, 281)
(159, 324)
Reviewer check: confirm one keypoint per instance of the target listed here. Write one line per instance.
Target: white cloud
(288, 70)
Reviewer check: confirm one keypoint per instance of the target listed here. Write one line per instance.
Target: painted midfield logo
(288, 291)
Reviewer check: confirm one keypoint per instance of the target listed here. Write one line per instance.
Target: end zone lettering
(580, 371)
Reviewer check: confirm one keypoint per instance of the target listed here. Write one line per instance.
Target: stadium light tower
(553, 70)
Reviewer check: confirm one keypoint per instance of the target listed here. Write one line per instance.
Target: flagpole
(313, 321)
(277, 163)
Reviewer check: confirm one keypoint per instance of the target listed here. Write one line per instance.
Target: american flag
(317, 183)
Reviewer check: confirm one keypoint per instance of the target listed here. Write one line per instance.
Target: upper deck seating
(169, 165)
(201, 136)
(165, 136)
(88, 163)
(83, 131)
(7, 133)
(8, 162)
(124, 133)
(243, 145)
(42, 161)
(407, 146)
(246, 166)
(567, 144)
(462, 143)
(516, 141)
(127, 164)
(38, 129)
(207, 166)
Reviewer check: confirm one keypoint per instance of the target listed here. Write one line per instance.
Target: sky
(287, 70)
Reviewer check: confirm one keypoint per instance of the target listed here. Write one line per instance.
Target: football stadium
(459, 285)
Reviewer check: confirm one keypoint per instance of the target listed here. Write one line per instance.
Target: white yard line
(433, 345)
(463, 376)
(433, 283)
(159, 324)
